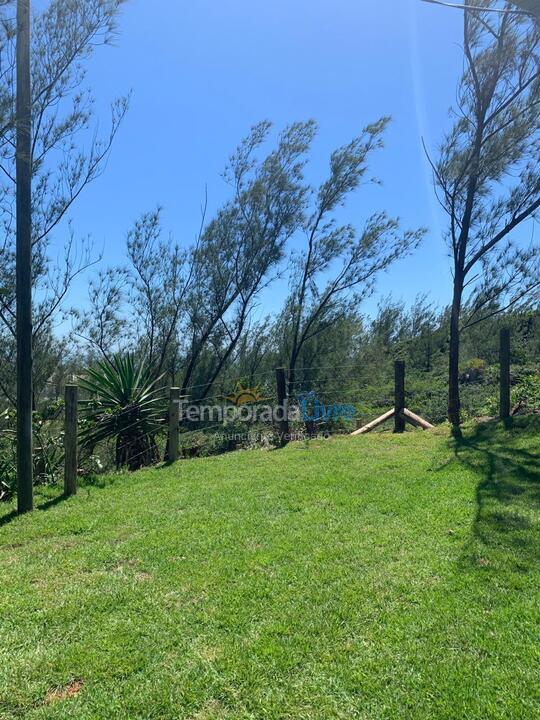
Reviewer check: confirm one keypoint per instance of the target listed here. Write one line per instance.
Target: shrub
(48, 451)
(8, 464)
(126, 406)
(473, 371)
(526, 392)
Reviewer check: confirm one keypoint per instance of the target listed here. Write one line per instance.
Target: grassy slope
(375, 577)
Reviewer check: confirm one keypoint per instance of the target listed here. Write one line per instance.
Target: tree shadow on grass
(506, 528)
(52, 502)
(8, 517)
(45, 505)
(93, 481)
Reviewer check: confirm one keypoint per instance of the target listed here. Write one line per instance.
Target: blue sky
(203, 72)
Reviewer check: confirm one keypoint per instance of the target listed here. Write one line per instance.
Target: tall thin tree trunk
(454, 404)
(24, 261)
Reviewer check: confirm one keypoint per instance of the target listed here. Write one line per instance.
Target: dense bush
(48, 449)
(8, 466)
(126, 405)
(526, 391)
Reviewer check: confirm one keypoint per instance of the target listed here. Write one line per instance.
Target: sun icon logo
(245, 396)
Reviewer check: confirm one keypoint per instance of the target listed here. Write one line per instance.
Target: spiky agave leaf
(125, 404)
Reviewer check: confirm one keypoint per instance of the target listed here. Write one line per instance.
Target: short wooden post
(283, 406)
(174, 423)
(399, 396)
(70, 440)
(504, 359)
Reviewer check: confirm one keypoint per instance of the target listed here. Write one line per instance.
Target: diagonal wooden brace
(407, 415)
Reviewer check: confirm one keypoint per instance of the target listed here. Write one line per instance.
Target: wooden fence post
(504, 359)
(71, 460)
(283, 406)
(399, 396)
(174, 422)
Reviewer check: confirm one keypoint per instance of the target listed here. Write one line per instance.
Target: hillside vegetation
(375, 577)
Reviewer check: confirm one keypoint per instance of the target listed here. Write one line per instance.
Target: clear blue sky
(203, 72)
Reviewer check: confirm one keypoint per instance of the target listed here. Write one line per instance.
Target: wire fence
(313, 401)
(209, 422)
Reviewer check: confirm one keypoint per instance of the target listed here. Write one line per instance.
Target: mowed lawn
(370, 577)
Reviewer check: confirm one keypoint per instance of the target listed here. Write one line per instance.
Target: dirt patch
(122, 566)
(209, 653)
(70, 690)
(213, 710)
(143, 577)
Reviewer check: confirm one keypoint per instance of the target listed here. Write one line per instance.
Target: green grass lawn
(370, 577)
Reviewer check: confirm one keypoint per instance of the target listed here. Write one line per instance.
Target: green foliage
(526, 392)
(48, 452)
(8, 465)
(125, 405)
(48, 449)
(232, 436)
(473, 370)
(67, 155)
(337, 266)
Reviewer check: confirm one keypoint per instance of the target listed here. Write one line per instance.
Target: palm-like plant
(126, 405)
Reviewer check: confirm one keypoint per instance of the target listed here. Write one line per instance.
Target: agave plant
(124, 405)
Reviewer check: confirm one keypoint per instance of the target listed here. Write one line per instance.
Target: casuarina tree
(487, 175)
